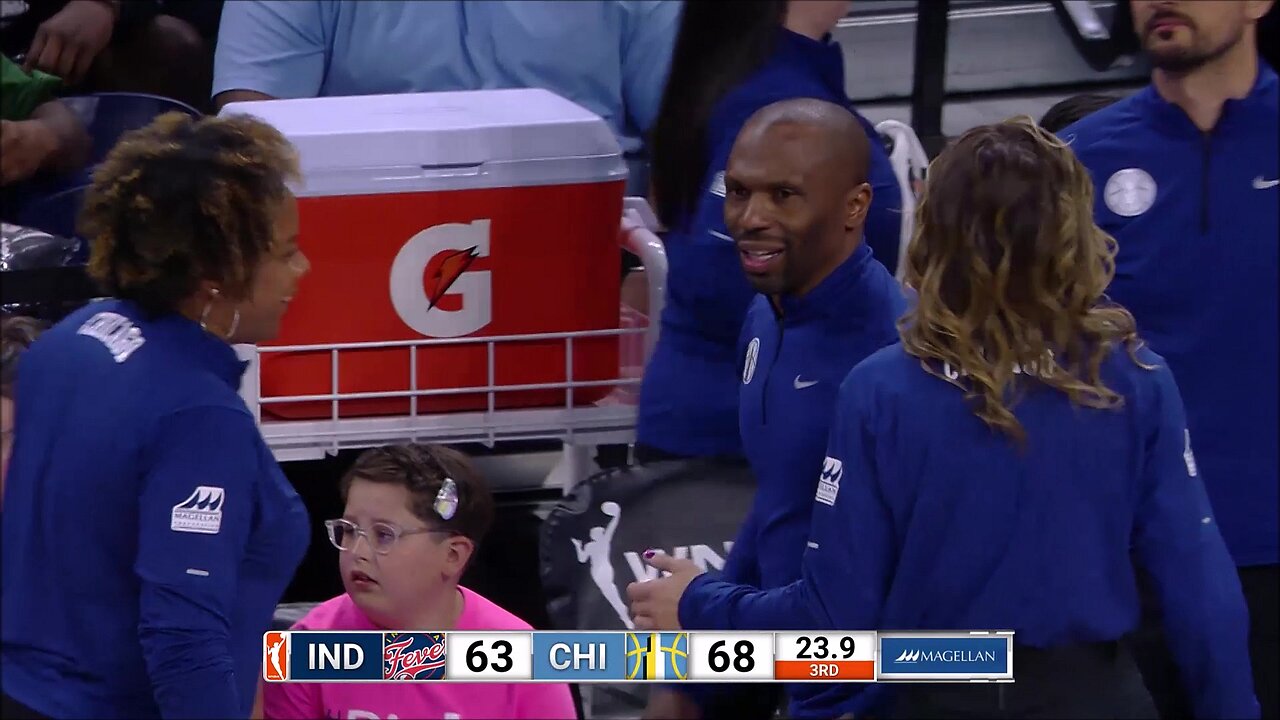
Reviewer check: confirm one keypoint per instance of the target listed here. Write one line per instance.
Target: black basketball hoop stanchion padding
(929, 74)
(592, 544)
(46, 286)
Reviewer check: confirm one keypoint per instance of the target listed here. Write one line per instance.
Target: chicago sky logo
(199, 513)
(946, 656)
(657, 656)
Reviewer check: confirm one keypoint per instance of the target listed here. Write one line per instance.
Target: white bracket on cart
(910, 162)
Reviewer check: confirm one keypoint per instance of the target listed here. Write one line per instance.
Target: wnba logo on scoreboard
(657, 656)
(275, 656)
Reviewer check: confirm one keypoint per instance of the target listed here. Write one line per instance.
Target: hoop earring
(204, 316)
(235, 324)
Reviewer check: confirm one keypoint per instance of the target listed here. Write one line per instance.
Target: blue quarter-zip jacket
(1195, 215)
(925, 518)
(148, 531)
(689, 395)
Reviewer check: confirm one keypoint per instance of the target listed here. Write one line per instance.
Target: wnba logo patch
(657, 656)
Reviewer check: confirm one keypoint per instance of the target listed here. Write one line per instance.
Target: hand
(655, 604)
(25, 146)
(670, 705)
(67, 43)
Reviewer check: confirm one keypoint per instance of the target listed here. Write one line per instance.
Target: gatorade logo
(436, 262)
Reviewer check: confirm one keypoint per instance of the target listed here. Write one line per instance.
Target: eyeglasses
(381, 536)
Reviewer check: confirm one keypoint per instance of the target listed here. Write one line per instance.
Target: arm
(742, 567)
(271, 50)
(1177, 541)
(883, 229)
(51, 140)
(649, 34)
(610, 528)
(849, 561)
(189, 579)
(577, 546)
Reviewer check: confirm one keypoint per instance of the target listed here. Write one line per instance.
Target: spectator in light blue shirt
(610, 56)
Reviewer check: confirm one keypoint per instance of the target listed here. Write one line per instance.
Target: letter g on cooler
(410, 298)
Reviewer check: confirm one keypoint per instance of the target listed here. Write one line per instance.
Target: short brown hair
(17, 332)
(184, 200)
(422, 469)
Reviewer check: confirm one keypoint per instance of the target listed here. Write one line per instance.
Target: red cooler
(448, 215)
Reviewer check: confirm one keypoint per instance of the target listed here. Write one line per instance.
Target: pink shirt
(391, 701)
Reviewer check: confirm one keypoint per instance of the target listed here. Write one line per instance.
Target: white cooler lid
(434, 129)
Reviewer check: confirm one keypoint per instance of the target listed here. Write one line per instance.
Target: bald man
(796, 198)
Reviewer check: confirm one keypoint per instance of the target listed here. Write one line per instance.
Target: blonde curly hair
(1010, 273)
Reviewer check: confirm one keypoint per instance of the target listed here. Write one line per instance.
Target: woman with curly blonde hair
(148, 531)
(996, 468)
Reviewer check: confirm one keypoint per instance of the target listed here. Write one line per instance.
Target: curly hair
(184, 200)
(17, 332)
(422, 469)
(1010, 273)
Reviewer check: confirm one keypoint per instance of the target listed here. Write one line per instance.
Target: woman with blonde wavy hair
(996, 468)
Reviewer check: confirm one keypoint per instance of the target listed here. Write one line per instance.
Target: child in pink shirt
(414, 515)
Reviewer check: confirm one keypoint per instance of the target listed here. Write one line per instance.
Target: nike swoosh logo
(802, 384)
(1260, 184)
(720, 235)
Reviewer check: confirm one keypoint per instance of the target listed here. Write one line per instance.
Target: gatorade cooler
(448, 215)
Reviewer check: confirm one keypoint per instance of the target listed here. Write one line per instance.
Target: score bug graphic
(657, 656)
(413, 656)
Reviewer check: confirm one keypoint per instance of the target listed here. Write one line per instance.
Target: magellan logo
(908, 656)
(436, 262)
(916, 656)
(829, 481)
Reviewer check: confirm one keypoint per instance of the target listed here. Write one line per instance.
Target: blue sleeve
(275, 48)
(742, 567)
(647, 42)
(195, 514)
(1177, 541)
(884, 218)
(847, 565)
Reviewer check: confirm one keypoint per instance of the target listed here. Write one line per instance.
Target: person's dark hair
(1010, 272)
(184, 200)
(422, 469)
(718, 45)
(1066, 112)
(17, 332)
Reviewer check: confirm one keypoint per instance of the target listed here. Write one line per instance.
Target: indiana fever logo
(413, 656)
(437, 262)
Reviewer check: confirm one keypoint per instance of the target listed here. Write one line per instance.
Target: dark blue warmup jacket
(926, 519)
(689, 395)
(148, 531)
(1195, 215)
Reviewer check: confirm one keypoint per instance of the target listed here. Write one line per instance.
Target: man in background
(1186, 173)
(610, 56)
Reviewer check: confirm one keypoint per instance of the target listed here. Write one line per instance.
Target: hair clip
(447, 499)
